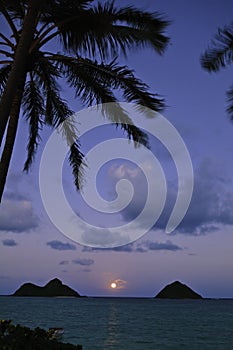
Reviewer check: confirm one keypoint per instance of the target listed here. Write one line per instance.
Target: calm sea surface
(129, 324)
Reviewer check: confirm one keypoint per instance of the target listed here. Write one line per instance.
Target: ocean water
(129, 324)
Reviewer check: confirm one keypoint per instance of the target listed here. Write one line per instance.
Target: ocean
(128, 324)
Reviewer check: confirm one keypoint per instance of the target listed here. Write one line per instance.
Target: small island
(53, 288)
(177, 290)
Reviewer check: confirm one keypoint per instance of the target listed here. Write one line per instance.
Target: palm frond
(57, 110)
(77, 164)
(119, 117)
(16, 8)
(4, 73)
(6, 9)
(134, 90)
(56, 11)
(33, 108)
(58, 114)
(111, 76)
(220, 53)
(95, 86)
(146, 29)
(230, 102)
(106, 30)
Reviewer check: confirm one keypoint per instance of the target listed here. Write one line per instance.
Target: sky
(199, 252)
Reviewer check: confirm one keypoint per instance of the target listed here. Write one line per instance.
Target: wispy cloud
(83, 262)
(9, 242)
(64, 262)
(120, 283)
(58, 245)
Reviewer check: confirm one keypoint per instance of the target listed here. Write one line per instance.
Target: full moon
(113, 285)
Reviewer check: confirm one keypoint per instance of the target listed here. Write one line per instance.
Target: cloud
(137, 179)
(120, 284)
(103, 237)
(9, 242)
(123, 171)
(16, 214)
(58, 245)
(210, 207)
(212, 202)
(168, 245)
(64, 262)
(83, 262)
(86, 270)
(141, 247)
(4, 277)
(128, 248)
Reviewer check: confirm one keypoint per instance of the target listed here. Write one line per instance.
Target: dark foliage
(23, 338)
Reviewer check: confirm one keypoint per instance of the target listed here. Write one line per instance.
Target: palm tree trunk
(10, 139)
(19, 67)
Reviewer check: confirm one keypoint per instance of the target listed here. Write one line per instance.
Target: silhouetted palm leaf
(230, 102)
(219, 55)
(4, 72)
(104, 29)
(33, 108)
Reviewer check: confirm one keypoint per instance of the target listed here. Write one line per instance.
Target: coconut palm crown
(78, 41)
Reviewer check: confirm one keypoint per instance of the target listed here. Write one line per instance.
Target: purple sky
(200, 251)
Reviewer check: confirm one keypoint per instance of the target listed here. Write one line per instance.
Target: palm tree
(30, 73)
(220, 55)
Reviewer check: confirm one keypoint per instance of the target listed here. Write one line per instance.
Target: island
(53, 288)
(177, 290)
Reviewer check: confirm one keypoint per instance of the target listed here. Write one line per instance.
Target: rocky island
(177, 290)
(53, 288)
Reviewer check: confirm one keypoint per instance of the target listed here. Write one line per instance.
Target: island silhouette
(177, 290)
(54, 288)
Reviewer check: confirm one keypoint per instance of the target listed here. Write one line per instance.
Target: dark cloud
(83, 262)
(9, 242)
(145, 246)
(16, 214)
(128, 248)
(64, 262)
(14, 196)
(86, 270)
(124, 248)
(210, 207)
(140, 250)
(58, 245)
(142, 247)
